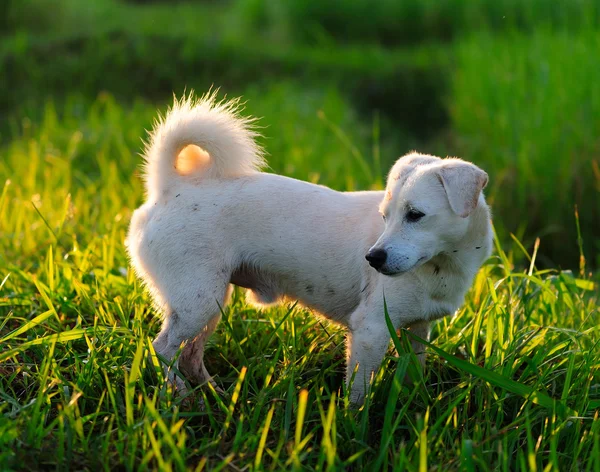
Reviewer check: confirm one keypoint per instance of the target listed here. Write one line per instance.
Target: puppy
(212, 219)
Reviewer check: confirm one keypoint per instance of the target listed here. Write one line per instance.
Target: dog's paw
(192, 401)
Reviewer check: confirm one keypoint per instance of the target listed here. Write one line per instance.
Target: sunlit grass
(511, 383)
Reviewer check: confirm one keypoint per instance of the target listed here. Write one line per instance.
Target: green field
(512, 382)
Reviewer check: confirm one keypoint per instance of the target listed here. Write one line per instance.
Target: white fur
(215, 127)
(225, 222)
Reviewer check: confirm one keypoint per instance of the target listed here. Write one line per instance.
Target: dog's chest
(443, 292)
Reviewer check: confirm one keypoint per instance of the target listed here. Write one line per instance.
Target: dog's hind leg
(191, 313)
(191, 360)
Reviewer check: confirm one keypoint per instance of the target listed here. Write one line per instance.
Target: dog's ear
(463, 183)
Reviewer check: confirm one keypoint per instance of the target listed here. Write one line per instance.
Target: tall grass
(402, 22)
(514, 91)
(528, 108)
(511, 382)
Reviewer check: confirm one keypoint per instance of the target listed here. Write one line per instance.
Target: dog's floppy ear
(463, 183)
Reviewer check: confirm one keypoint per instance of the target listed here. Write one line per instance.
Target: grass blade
(500, 380)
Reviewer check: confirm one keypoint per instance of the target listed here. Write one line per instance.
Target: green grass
(507, 84)
(532, 115)
(406, 22)
(512, 382)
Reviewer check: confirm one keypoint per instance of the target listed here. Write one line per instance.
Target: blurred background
(343, 88)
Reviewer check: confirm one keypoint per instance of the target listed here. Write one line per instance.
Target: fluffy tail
(225, 141)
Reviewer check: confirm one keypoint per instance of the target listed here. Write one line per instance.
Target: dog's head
(427, 206)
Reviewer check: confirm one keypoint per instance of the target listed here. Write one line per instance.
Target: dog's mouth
(392, 273)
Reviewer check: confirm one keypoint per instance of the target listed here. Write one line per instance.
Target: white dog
(212, 219)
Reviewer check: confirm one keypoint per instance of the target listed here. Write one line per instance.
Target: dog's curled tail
(200, 139)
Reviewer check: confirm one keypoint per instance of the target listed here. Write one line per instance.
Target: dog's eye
(414, 215)
(384, 217)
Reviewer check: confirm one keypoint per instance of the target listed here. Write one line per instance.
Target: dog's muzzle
(376, 258)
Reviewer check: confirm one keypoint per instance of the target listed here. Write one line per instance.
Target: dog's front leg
(366, 346)
(421, 329)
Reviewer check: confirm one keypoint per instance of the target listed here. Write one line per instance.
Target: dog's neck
(447, 276)
(466, 257)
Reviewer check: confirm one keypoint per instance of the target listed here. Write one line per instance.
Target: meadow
(512, 381)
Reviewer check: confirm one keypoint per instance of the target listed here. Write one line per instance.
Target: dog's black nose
(376, 258)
